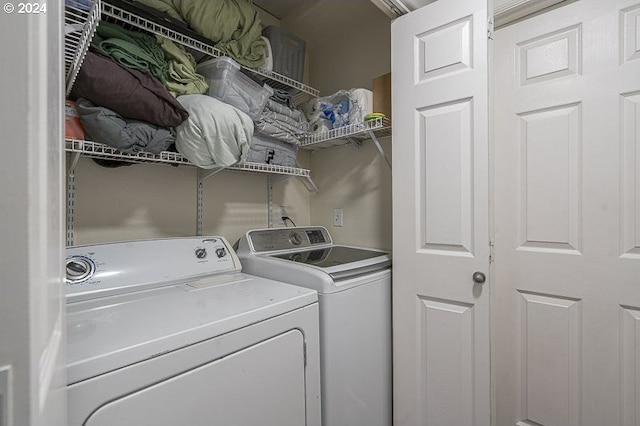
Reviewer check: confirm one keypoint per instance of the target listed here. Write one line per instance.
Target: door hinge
(491, 252)
(490, 28)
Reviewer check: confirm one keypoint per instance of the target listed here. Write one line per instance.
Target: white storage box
(228, 84)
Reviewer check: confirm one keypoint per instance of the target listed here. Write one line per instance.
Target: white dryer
(354, 293)
(170, 332)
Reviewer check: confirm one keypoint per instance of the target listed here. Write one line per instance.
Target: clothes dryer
(354, 293)
(170, 332)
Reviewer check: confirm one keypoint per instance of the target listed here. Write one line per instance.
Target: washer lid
(112, 332)
(329, 256)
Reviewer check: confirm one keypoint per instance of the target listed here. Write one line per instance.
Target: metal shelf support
(202, 175)
(71, 199)
(375, 140)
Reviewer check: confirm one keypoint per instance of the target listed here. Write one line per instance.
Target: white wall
(156, 201)
(351, 52)
(358, 181)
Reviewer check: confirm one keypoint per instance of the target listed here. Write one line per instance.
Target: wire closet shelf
(101, 151)
(273, 79)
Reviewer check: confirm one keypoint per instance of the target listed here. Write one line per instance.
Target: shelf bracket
(375, 140)
(356, 143)
(71, 199)
(310, 185)
(202, 175)
(205, 173)
(269, 201)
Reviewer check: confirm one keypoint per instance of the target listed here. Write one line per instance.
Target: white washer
(170, 332)
(354, 292)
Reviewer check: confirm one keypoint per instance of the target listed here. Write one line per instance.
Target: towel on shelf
(105, 126)
(216, 133)
(131, 49)
(232, 25)
(283, 97)
(282, 123)
(181, 77)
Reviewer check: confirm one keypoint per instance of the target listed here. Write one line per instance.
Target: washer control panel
(263, 240)
(106, 269)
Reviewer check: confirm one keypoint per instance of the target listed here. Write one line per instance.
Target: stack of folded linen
(281, 122)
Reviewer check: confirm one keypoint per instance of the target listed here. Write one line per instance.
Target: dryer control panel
(105, 269)
(264, 240)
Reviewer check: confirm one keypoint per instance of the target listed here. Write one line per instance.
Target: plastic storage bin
(267, 150)
(228, 84)
(287, 51)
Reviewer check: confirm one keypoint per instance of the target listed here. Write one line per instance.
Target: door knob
(479, 278)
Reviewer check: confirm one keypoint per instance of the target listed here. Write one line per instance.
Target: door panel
(630, 169)
(259, 385)
(440, 190)
(565, 296)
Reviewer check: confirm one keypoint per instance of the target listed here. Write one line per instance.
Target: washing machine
(354, 293)
(170, 332)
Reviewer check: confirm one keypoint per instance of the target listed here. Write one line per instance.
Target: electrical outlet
(337, 217)
(283, 213)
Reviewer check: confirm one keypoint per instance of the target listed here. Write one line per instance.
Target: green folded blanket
(232, 25)
(131, 49)
(181, 77)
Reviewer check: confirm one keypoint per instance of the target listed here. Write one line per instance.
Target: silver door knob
(479, 278)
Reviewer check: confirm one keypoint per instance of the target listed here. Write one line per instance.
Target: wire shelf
(274, 79)
(101, 151)
(358, 132)
(80, 22)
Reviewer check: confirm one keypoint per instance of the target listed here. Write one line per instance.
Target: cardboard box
(382, 94)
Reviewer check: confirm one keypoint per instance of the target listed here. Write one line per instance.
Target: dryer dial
(79, 269)
(295, 239)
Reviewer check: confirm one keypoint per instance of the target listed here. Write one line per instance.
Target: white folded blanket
(215, 134)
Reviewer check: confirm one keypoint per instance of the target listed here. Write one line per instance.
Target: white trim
(392, 8)
(517, 9)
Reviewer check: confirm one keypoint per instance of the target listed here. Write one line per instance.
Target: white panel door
(566, 285)
(440, 215)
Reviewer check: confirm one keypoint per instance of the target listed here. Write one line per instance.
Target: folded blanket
(130, 136)
(283, 97)
(295, 114)
(133, 94)
(232, 25)
(277, 130)
(282, 123)
(131, 49)
(216, 134)
(181, 77)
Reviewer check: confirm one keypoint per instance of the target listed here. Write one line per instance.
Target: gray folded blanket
(105, 126)
(282, 123)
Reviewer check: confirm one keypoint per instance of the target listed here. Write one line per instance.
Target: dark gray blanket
(105, 126)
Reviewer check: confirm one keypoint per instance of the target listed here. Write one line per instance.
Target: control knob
(295, 238)
(221, 252)
(79, 269)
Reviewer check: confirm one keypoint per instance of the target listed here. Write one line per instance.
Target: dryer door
(260, 385)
